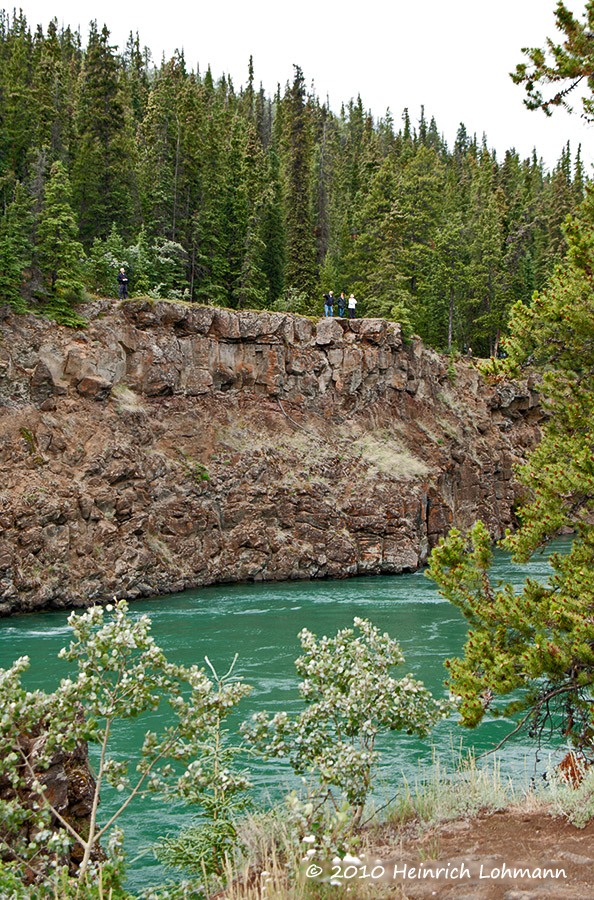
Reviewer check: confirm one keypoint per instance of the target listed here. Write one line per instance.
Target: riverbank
(470, 838)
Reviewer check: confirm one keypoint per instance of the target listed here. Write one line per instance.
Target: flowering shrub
(350, 697)
(122, 674)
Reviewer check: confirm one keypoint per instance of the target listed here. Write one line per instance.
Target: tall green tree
(300, 272)
(372, 264)
(273, 231)
(60, 252)
(255, 196)
(538, 646)
(419, 190)
(15, 101)
(103, 170)
(16, 246)
(161, 163)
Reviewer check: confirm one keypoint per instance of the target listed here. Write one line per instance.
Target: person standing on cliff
(123, 284)
(352, 305)
(329, 304)
(342, 302)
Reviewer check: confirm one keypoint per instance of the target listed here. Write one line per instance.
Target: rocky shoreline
(170, 446)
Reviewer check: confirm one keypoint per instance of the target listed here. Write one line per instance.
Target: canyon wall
(169, 446)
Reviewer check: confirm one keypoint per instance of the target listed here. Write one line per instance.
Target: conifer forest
(224, 195)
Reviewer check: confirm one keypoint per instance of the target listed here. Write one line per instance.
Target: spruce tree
(300, 272)
(161, 146)
(536, 648)
(17, 111)
(16, 247)
(419, 192)
(60, 252)
(209, 262)
(103, 171)
(371, 265)
(564, 65)
(273, 231)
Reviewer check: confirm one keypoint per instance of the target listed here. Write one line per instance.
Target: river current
(261, 623)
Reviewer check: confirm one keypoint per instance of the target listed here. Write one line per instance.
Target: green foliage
(155, 269)
(350, 698)
(300, 265)
(60, 253)
(61, 887)
(103, 168)
(104, 262)
(574, 802)
(296, 302)
(241, 200)
(16, 247)
(195, 469)
(565, 65)
(122, 674)
(220, 789)
(539, 644)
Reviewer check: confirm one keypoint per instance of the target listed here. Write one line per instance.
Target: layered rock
(169, 446)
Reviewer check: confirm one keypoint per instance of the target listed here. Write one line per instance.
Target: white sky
(453, 56)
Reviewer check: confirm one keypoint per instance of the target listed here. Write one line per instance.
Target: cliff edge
(169, 446)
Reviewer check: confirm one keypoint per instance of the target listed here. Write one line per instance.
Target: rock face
(69, 787)
(169, 446)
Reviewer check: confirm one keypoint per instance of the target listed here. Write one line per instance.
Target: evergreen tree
(209, 273)
(16, 110)
(16, 247)
(55, 74)
(489, 304)
(251, 290)
(103, 171)
(538, 646)
(443, 322)
(564, 65)
(161, 162)
(60, 252)
(135, 63)
(273, 231)
(105, 259)
(373, 264)
(300, 259)
(419, 189)
(245, 198)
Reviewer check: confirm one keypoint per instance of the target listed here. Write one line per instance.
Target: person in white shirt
(352, 304)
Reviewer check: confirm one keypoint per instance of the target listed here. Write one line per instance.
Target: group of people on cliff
(342, 305)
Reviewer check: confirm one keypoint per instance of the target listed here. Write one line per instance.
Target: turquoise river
(261, 623)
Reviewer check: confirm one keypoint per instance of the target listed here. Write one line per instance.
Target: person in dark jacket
(123, 284)
(342, 302)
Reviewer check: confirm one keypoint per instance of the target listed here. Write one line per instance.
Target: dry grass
(387, 455)
(125, 399)
(275, 869)
(381, 450)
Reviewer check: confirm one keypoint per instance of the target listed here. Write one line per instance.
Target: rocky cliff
(168, 446)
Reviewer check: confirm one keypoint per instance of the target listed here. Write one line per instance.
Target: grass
(276, 869)
(272, 866)
(125, 399)
(441, 796)
(388, 456)
(379, 451)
